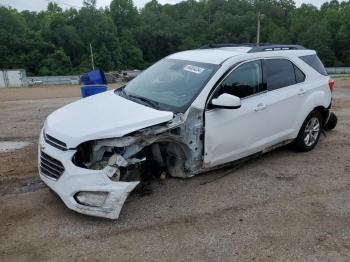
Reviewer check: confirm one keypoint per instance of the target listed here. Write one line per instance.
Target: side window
(279, 73)
(299, 75)
(244, 81)
(315, 63)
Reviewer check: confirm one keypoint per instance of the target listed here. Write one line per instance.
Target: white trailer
(13, 78)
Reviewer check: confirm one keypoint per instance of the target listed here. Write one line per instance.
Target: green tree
(57, 63)
(57, 40)
(124, 13)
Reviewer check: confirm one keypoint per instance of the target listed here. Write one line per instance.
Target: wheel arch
(324, 113)
(318, 100)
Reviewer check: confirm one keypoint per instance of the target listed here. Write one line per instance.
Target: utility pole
(258, 31)
(260, 17)
(92, 58)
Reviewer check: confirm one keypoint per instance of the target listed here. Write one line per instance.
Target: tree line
(57, 42)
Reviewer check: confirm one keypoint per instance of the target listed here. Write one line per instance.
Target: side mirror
(226, 101)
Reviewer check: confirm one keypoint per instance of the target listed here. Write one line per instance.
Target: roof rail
(219, 45)
(263, 47)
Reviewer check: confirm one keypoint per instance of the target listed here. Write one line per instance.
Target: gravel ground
(284, 206)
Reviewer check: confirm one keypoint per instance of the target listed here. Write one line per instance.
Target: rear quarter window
(315, 63)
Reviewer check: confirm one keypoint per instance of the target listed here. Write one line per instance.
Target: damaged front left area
(89, 191)
(96, 177)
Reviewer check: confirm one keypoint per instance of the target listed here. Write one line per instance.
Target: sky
(37, 5)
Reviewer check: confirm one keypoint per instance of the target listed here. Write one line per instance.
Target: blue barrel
(92, 90)
(96, 77)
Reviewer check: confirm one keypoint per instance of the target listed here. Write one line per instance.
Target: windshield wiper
(122, 92)
(145, 100)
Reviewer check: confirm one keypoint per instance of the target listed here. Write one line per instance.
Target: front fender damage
(130, 162)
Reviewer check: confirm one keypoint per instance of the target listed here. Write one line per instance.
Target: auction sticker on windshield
(194, 69)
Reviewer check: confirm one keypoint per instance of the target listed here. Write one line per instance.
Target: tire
(332, 122)
(309, 132)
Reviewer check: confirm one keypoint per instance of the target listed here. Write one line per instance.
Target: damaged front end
(102, 173)
(174, 148)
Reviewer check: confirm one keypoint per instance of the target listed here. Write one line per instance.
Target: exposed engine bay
(172, 148)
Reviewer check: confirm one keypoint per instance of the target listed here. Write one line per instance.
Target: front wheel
(309, 132)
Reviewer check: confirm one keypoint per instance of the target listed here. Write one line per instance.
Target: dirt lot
(284, 206)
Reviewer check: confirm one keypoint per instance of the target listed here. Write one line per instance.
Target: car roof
(220, 53)
(210, 56)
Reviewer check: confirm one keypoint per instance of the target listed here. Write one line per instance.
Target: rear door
(286, 94)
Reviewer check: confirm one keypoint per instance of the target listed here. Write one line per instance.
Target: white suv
(190, 112)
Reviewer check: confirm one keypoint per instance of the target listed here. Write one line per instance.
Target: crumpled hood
(104, 115)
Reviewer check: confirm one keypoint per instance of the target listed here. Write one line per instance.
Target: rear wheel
(309, 132)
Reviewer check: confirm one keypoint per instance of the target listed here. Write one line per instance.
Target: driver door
(231, 134)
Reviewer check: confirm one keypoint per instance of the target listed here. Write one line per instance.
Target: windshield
(170, 84)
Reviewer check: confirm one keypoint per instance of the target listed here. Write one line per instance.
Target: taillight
(331, 85)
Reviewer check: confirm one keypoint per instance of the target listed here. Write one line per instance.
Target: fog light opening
(91, 198)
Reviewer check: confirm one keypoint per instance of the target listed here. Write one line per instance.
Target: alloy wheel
(312, 130)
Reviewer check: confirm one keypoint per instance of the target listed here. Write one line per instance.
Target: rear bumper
(75, 179)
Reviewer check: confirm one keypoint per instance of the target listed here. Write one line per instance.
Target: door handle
(301, 91)
(260, 107)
